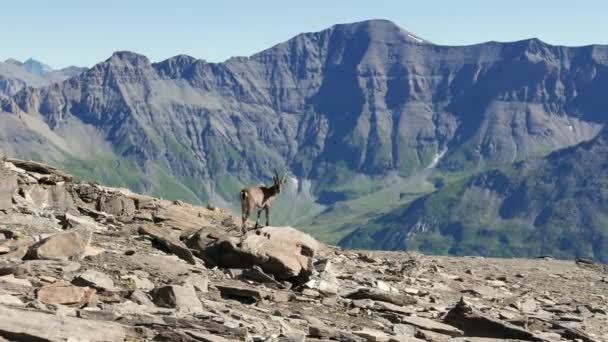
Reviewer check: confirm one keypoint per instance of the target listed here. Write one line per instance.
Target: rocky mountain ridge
(80, 261)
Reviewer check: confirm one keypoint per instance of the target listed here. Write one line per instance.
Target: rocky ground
(84, 262)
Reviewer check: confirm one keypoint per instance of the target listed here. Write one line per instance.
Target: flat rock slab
(385, 296)
(242, 292)
(63, 246)
(429, 324)
(95, 279)
(372, 335)
(7, 299)
(12, 284)
(384, 306)
(200, 336)
(65, 294)
(26, 325)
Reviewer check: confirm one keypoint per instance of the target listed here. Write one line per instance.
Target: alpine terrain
(399, 141)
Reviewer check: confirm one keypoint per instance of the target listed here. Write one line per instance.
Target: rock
(404, 329)
(372, 335)
(384, 286)
(94, 279)
(69, 221)
(528, 305)
(242, 293)
(97, 314)
(486, 292)
(134, 282)
(46, 266)
(14, 268)
(376, 294)
(168, 240)
(8, 186)
(63, 246)
(430, 325)
(64, 293)
(12, 284)
(477, 324)
(40, 168)
(181, 297)
(13, 254)
(200, 283)
(384, 306)
(141, 298)
(363, 303)
(184, 218)
(284, 252)
(431, 336)
(257, 274)
(205, 337)
(7, 299)
(118, 205)
(26, 325)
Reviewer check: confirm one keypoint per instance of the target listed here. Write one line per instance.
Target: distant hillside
(554, 206)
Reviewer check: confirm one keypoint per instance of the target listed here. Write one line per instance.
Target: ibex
(259, 198)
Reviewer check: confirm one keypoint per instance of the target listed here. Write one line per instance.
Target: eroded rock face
(283, 252)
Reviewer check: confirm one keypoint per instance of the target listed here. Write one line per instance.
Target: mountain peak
(36, 67)
(381, 29)
(13, 62)
(128, 58)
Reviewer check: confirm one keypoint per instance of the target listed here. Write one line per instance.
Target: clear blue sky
(80, 32)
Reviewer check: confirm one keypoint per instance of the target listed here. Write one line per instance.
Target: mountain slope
(557, 205)
(342, 109)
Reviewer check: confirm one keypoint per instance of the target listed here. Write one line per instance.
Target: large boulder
(70, 245)
(26, 325)
(283, 252)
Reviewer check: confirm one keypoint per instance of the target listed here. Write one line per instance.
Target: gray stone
(30, 325)
(181, 297)
(168, 240)
(96, 279)
(377, 294)
(429, 324)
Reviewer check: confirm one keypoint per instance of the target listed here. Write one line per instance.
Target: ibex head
(278, 181)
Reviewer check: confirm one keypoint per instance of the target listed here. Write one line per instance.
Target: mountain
(15, 75)
(37, 67)
(556, 205)
(366, 116)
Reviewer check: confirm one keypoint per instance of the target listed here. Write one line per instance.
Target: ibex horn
(276, 174)
(283, 178)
